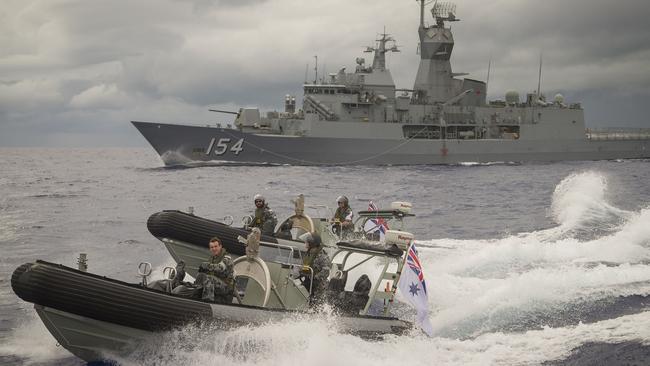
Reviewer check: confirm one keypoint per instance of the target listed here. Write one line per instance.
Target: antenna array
(444, 11)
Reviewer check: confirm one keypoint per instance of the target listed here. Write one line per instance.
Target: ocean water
(526, 264)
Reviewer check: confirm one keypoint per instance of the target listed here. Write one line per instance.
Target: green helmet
(313, 240)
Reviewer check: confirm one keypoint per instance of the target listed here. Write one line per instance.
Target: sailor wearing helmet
(315, 269)
(342, 219)
(263, 218)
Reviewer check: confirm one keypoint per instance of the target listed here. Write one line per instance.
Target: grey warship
(361, 118)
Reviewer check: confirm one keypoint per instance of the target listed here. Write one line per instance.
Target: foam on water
(315, 342)
(580, 199)
(8, 227)
(481, 285)
(514, 300)
(32, 342)
(174, 157)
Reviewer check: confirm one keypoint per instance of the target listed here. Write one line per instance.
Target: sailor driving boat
(214, 282)
(216, 276)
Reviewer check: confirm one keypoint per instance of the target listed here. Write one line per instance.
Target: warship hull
(183, 145)
(362, 118)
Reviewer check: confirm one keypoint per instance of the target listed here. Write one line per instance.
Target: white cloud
(101, 97)
(30, 94)
(58, 58)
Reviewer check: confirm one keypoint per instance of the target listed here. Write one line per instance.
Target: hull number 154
(221, 146)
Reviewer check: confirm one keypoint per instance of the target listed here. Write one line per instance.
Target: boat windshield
(387, 262)
(371, 224)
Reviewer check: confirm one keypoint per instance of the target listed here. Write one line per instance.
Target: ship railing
(618, 134)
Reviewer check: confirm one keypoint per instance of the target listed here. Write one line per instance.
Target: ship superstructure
(360, 117)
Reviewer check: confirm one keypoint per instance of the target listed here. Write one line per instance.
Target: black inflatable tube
(101, 298)
(196, 230)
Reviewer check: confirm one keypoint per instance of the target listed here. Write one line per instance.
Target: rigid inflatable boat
(186, 236)
(96, 318)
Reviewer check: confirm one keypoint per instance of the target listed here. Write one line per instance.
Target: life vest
(311, 256)
(216, 259)
(259, 217)
(342, 213)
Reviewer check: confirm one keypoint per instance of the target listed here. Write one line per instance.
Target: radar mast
(434, 82)
(379, 61)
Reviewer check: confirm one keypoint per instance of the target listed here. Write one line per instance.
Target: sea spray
(581, 198)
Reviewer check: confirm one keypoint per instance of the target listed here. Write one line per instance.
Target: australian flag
(376, 225)
(414, 289)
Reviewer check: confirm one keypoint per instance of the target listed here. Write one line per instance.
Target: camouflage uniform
(265, 220)
(216, 277)
(343, 214)
(320, 263)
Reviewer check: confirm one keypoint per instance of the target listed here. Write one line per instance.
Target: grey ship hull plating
(182, 144)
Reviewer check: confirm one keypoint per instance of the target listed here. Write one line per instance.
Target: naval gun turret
(435, 82)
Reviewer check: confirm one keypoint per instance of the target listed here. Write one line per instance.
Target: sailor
(264, 218)
(359, 297)
(216, 276)
(349, 302)
(342, 220)
(315, 269)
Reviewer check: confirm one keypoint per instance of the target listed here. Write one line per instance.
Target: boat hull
(198, 231)
(91, 339)
(186, 237)
(182, 145)
(97, 318)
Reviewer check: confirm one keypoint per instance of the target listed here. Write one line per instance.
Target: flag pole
(400, 267)
(419, 302)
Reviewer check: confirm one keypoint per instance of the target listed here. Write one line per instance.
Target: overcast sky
(74, 73)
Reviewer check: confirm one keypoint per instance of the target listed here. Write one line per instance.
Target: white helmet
(342, 199)
(259, 197)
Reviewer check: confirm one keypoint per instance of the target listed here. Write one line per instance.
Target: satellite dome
(512, 97)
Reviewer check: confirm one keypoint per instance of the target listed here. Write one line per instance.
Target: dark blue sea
(526, 264)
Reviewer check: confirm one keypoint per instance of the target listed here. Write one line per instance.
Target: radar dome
(512, 97)
(559, 98)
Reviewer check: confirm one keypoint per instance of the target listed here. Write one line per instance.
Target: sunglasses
(258, 201)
